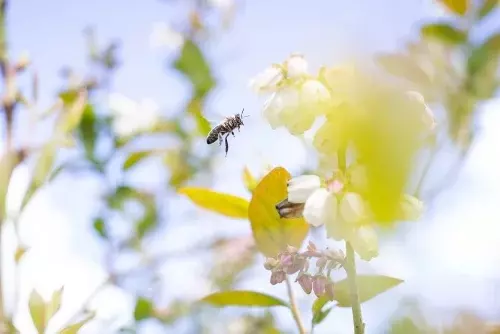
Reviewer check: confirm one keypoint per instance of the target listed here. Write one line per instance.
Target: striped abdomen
(213, 135)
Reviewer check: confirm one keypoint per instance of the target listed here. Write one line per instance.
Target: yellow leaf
(271, 233)
(249, 181)
(457, 6)
(225, 204)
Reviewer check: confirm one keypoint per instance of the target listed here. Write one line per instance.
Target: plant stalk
(294, 308)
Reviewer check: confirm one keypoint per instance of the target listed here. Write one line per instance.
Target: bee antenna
(242, 113)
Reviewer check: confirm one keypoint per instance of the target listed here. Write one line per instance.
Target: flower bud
(319, 285)
(329, 291)
(286, 260)
(306, 282)
(321, 262)
(297, 264)
(311, 246)
(291, 249)
(277, 277)
(270, 263)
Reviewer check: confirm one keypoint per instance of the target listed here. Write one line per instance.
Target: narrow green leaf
(242, 298)
(149, 220)
(487, 7)
(444, 32)
(72, 116)
(457, 6)
(195, 109)
(100, 227)
(75, 328)
(224, 204)
(8, 163)
(54, 305)
(484, 54)
(143, 309)
(87, 130)
(37, 311)
(369, 286)
(194, 66)
(43, 167)
(317, 309)
(134, 158)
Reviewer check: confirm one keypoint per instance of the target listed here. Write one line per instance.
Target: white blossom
(365, 242)
(411, 208)
(320, 207)
(300, 188)
(164, 36)
(428, 117)
(267, 80)
(352, 207)
(296, 66)
(131, 117)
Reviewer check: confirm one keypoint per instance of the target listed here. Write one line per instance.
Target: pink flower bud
(270, 263)
(286, 260)
(297, 264)
(319, 284)
(329, 291)
(306, 282)
(321, 262)
(311, 253)
(277, 277)
(291, 249)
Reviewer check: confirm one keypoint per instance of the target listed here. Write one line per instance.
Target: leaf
(143, 309)
(75, 328)
(72, 116)
(8, 162)
(271, 233)
(149, 220)
(54, 305)
(134, 158)
(482, 55)
(193, 65)
(444, 32)
(100, 227)
(317, 309)
(224, 204)
(41, 173)
(369, 286)
(403, 66)
(20, 251)
(195, 109)
(457, 6)
(487, 7)
(87, 130)
(249, 181)
(482, 66)
(37, 311)
(242, 298)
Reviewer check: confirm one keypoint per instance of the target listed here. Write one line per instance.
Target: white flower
(428, 117)
(352, 208)
(300, 188)
(296, 66)
(267, 80)
(365, 242)
(320, 207)
(411, 208)
(164, 36)
(131, 117)
(296, 107)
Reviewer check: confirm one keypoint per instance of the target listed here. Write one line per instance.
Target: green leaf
(487, 7)
(484, 54)
(195, 109)
(72, 116)
(193, 65)
(100, 227)
(444, 32)
(37, 311)
(75, 328)
(43, 167)
(249, 180)
(87, 130)
(482, 67)
(149, 220)
(319, 314)
(224, 204)
(54, 305)
(273, 234)
(8, 162)
(143, 309)
(121, 194)
(134, 158)
(20, 251)
(369, 286)
(242, 298)
(457, 6)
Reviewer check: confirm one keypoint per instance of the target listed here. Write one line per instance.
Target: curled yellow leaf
(271, 233)
(224, 204)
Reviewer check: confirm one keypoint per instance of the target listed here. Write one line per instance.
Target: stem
(294, 308)
(350, 267)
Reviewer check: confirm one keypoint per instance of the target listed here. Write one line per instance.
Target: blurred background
(90, 197)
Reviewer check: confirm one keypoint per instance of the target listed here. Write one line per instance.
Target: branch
(294, 308)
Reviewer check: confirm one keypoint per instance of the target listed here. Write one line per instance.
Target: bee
(226, 127)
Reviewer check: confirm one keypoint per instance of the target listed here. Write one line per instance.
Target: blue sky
(441, 267)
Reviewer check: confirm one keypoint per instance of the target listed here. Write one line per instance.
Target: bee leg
(220, 139)
(232, 132)
(238, 129)
(227, 145)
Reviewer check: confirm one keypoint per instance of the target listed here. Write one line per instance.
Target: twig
(350, 267)
(294, 308)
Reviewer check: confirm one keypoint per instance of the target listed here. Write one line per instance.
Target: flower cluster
(292, 261)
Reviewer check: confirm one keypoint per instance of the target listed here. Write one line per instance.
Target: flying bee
(225, 128)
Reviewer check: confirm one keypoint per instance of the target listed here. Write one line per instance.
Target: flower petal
(365, 242)
(313, 91)
(301, 187)
(352, 208)
(320, 207)
(296, 66)
(411, 208)
(267, 80)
